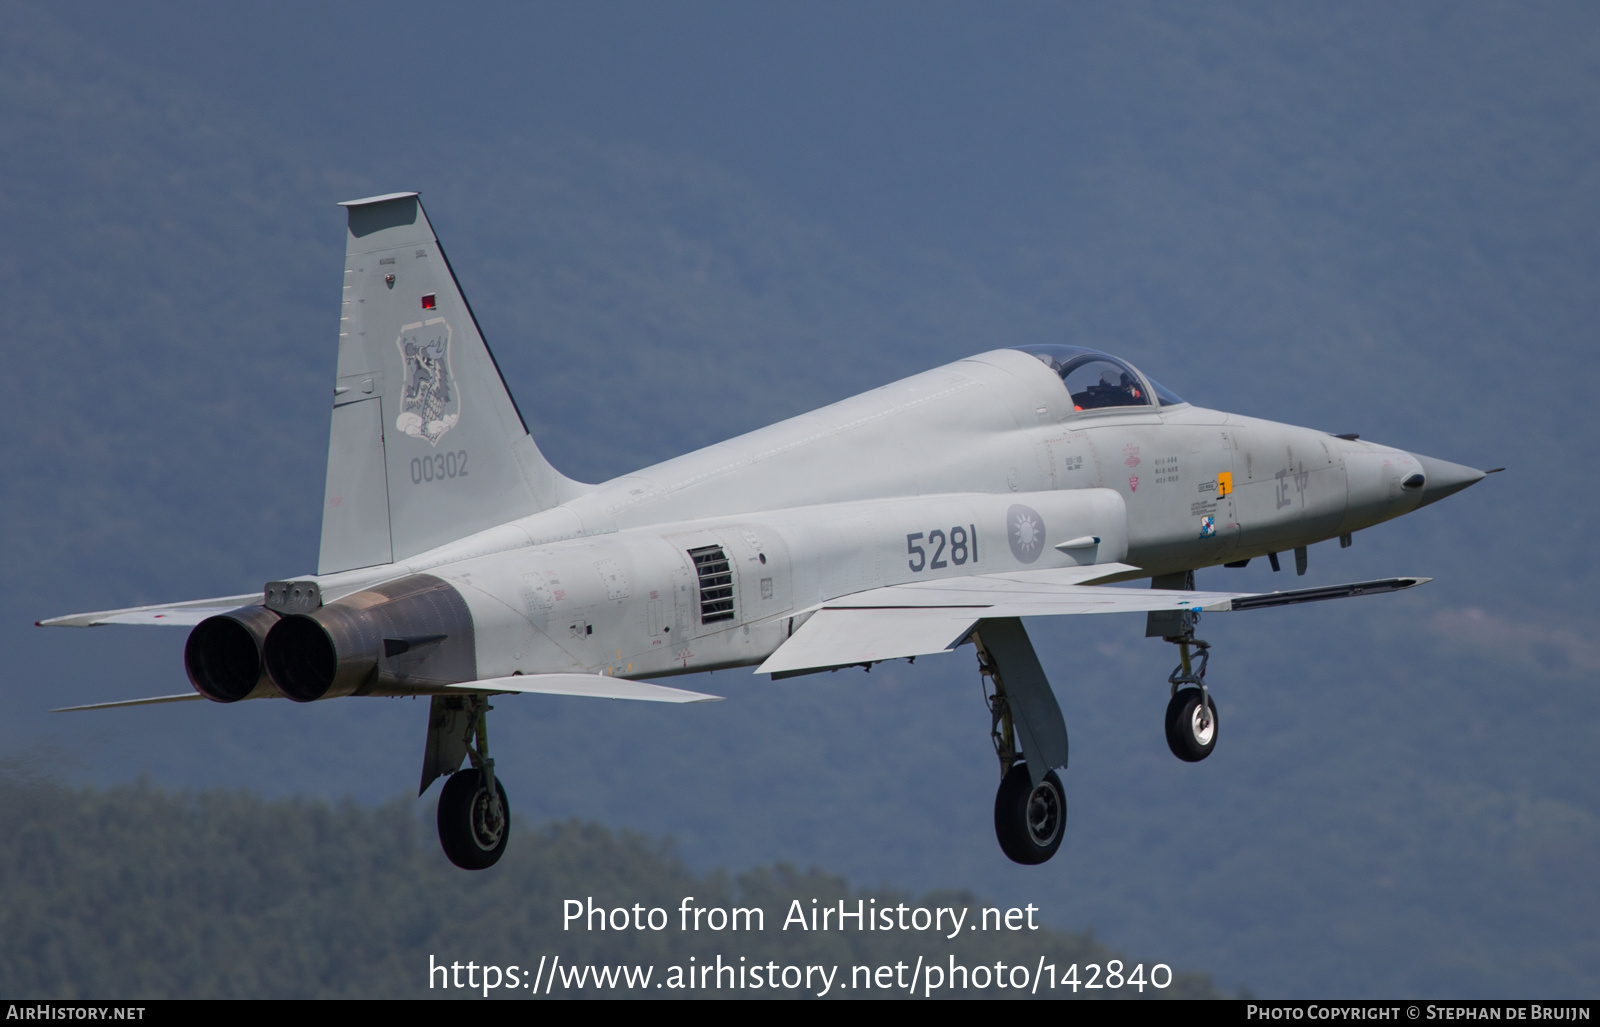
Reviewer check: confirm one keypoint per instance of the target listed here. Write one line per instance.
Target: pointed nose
(1442, 478)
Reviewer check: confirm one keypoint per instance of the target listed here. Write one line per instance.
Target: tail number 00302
(961, 544)
(439, 467)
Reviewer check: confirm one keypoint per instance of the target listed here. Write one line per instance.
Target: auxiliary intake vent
(716, 583)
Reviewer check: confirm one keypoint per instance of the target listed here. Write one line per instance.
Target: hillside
(135, 892)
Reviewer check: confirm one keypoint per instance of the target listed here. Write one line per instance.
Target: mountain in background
(677, 228)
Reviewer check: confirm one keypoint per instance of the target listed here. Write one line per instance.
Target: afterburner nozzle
(322, 655)
(223, 655)
(348, 647)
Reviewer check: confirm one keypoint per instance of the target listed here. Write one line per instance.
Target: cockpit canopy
(1098, 380)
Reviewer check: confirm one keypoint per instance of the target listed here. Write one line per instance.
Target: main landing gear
(1030, 816)
(1191, 715)
(474, 816)
(1029, 821)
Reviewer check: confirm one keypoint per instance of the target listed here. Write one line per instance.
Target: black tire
(1029, 822)
(1186, 737)
(470, 841)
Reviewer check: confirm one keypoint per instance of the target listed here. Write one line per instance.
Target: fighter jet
(939, 510)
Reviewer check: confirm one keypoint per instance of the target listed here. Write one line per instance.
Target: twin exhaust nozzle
(392, 639)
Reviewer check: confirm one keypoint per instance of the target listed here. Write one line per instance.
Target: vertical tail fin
(427, 445)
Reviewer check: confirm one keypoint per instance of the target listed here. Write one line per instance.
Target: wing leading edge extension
(928, 617)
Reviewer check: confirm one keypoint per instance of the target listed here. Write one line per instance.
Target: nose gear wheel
(1191, 725)
(1191, 720)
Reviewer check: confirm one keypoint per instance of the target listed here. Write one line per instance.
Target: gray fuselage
(906, 482)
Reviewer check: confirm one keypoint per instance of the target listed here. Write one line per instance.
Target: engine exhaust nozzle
(349, 646)
(223, 655)
(322, 655)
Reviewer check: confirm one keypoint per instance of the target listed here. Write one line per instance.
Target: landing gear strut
(474, 816)
(1191, 715)
(1030, 817)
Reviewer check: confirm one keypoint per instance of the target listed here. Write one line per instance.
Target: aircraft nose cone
(1442, 478)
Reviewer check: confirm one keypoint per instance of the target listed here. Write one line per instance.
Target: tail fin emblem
(430, 402)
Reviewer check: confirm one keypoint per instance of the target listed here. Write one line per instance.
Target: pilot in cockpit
(1116, 388)
(1097, 380)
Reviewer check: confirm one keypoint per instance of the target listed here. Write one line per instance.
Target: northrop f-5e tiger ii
(457, 563)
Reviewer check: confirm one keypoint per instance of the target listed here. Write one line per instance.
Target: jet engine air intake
(346, 647)
(223, 655)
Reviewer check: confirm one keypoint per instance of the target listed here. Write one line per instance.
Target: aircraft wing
(186, 614)
(926, 617)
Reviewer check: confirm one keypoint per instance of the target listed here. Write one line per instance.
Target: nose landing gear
(1191, 720)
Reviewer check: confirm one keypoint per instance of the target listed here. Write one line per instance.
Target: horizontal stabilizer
(153, 700)
(186, 614)
(596, 686)
(1316, 595)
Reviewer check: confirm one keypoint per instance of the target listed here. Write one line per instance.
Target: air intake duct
(386, 640)
(223, 655)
